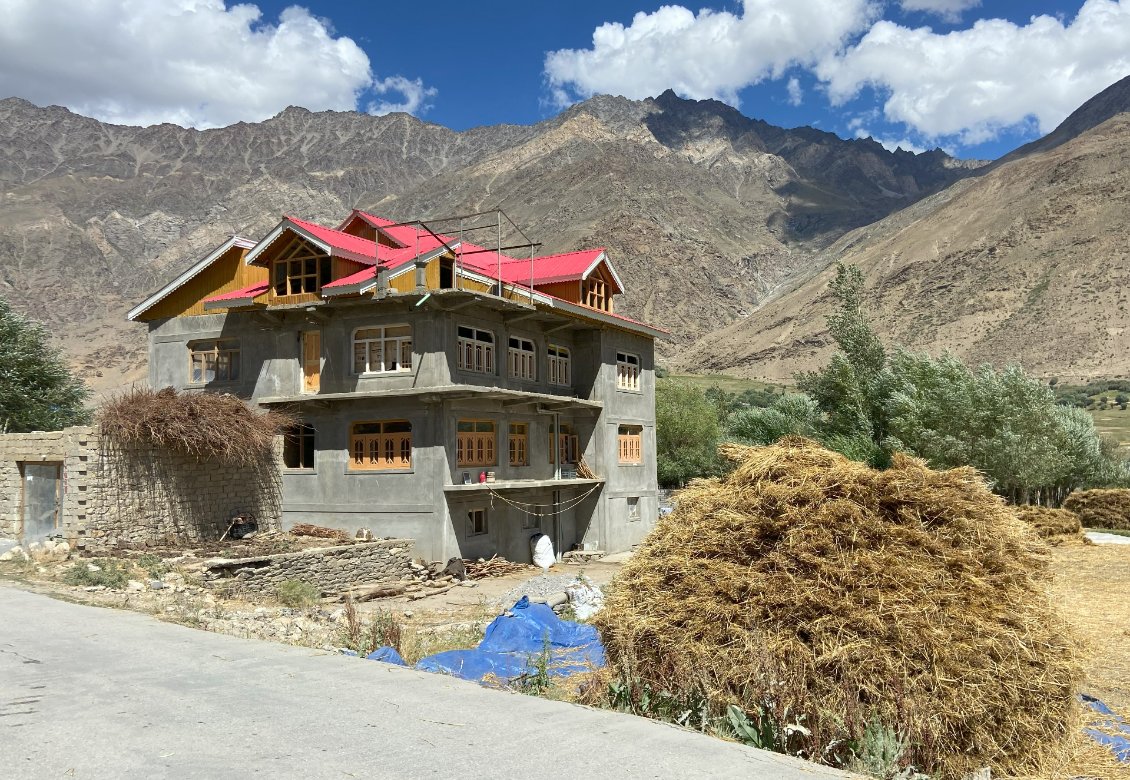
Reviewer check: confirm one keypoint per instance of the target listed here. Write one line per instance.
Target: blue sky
(977, 78)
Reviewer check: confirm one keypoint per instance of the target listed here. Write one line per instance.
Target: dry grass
(1101, 508)
(204, 425)
(807, 587)
(1055, 526)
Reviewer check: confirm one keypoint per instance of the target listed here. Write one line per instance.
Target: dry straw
(807, 584)
(1055, 526)
(1101, 508)
(203, 425)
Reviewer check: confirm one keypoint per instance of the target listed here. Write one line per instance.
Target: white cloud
(415, 94)
(713, 54)
(971, 84)
(192, 62)
(949, 10)
(796, 94)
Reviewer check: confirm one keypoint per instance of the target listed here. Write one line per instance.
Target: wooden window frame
(560, 365)
(303, 266)
(476, 447)
(222, 352)
(383, 340)
(380, 450)
(476, 354)
(477, 519)
(568, 443)
(522, 358)
(518, 443)
(300, 441)
(628, 372)
(594, 294)
(629, 439)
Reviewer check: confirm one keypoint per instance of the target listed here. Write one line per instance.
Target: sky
(974, 77)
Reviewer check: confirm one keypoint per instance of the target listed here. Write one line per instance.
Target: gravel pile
(540, 587)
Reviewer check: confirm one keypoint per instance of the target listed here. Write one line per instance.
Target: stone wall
(136, 498)
(332, 569)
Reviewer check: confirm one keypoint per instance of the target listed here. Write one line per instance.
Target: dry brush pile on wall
(813, 590)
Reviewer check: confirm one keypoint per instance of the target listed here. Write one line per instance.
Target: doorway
(311, 361)
(42, 500)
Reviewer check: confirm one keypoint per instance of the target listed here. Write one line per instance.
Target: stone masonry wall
(332, 569)
(138, 498)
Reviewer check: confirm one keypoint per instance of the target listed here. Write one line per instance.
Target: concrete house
(447, 392)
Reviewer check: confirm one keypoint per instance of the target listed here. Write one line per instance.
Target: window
(298, 447)
(214, 361)
(381, 445)
(633, 509)
(476, 350)
(476, 522)
(627, 371)
(568, 449)
(474, 443)
(630, 438)
(531, 519)
(594, 294)
(559, 373)
(522, 359)
(519, 444)
(302, 275)
(382, 350)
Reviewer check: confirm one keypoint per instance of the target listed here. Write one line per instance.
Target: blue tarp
(513, 645)
(1119, 745)
(386, 654)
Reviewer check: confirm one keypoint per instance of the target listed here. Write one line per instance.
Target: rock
(407, 613)
(135, 586)
(157, 585)
(469, 584)
(14, 554)
(93, 567)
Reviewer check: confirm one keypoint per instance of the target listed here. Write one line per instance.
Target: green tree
(686, 432)
(37, 389)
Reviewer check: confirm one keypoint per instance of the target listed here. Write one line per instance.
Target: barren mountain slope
(1029, 262)
(704, 210)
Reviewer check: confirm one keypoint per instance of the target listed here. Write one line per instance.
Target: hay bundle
(1055, 526)
(805, 584)
(1101, 508)
(203, 425)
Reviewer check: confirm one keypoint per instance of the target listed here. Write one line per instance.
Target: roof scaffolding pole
(498, 251)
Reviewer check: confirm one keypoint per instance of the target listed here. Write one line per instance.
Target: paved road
(96, 693)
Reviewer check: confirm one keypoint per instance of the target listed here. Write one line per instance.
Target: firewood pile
(494, 567)
(305, 529)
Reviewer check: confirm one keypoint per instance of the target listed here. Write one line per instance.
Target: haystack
(810, 589)
(1101, 508)
(1055, 526)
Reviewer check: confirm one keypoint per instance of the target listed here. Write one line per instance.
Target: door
(311, 361)
(42, 497)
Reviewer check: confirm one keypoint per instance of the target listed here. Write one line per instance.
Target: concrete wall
(139, 498)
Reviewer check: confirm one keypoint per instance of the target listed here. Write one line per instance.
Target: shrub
(298, 593)
(1101, 508)
(109, 573)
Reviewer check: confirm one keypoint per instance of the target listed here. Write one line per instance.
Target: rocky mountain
(1028, 261)
(705, 211)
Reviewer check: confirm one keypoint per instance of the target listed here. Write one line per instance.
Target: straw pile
(1055, 526)
(1101, 508)
(808, 588)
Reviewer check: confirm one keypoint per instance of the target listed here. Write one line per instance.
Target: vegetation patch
(840, 607)
(298, 594)
(1101, 508)
(108, 572)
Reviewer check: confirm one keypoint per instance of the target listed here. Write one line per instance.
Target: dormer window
(594, 294)
(295, 276)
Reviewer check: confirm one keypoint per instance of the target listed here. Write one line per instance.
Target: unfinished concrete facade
(416, 383)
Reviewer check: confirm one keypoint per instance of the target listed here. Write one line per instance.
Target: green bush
(110, 573)
(298, 593)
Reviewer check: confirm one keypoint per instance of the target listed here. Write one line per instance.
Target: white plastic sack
(585, 598)
(541, 549)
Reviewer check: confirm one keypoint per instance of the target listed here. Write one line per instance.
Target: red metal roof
(246, 292)
(363, 275)
(360, 249)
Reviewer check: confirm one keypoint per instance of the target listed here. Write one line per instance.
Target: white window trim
(556, 362)
(488, 350)
(628, 376)
(400, 368)
(518, 358)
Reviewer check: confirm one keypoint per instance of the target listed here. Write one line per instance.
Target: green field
(730, 384)
(1114, 424)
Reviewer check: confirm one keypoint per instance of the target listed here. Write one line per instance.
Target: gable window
(559, 373)
(298, 447)
(594, 294)
(567, 444)
(522, 358)
(627, 371)
(630, 439)
(213, 361)
(474, 443)
(476, 350)
(476, 522)
(302, 275)
(382, 350)
(381, 445)
(519, 444)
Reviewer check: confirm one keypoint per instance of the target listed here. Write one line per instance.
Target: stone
(135, 586)
(14, 554)
(469, 584)
(91, 567)
(157, 585)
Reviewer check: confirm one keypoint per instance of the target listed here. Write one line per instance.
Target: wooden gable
(226, 274)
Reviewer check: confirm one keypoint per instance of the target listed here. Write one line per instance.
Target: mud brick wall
(136, 498)
(332, 569)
